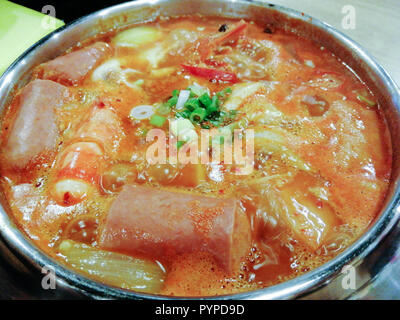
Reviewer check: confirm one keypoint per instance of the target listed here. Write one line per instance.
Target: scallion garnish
(179, 144)
(198, 115)
(214, 106)
(366, 100)
(205, 99)
(200, 107)
(172, 101)
(157, 121)
(192, 104)
(224, 92)
(183, 114)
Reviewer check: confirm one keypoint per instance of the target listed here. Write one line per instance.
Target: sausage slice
(72, 68)
(158, 223)
(34, 129)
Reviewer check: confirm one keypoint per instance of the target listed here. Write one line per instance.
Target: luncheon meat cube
(159, 223)
(71, 68)
(34, 129)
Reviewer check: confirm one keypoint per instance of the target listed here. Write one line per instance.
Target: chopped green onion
(366, 100)
(197, 89)
(183, 114)
(198, 115)
(163, 109)
(200, 107)
(213, 107)
(184, 95)
(205, 99)
(224, 92)
(192, 104)
(172, 101)
(179, 144)
(157, 121)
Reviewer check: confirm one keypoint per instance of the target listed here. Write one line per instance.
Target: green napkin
(21, 27)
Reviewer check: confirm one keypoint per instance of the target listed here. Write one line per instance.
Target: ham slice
(72, 68)
(159, 223)
(34, 129)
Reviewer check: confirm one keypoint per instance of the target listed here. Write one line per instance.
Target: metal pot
(372, 256)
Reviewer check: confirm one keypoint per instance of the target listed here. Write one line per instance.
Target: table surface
(377, 25)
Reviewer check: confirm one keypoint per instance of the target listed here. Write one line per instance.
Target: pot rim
(23, 247)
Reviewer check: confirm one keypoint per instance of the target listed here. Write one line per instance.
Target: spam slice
(72, 68)
(34, 129)
(158, 222)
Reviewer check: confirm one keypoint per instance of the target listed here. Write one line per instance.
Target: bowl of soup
(199, 149)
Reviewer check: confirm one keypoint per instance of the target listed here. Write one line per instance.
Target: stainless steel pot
(372, 256)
